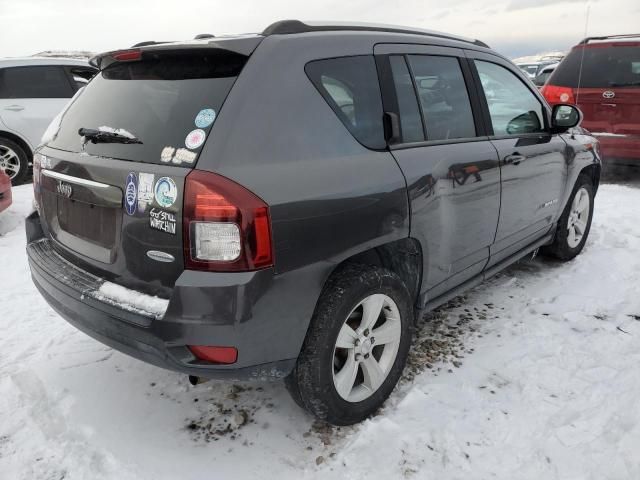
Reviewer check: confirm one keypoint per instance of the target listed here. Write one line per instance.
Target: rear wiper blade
(107, 136)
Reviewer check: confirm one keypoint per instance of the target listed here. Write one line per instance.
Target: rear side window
(35, 82)
(168, 100)
(443, 97)
(350, 86)
(410, 118)
(513, 108)
(603, 66)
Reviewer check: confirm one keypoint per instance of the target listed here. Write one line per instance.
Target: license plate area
(84, 218)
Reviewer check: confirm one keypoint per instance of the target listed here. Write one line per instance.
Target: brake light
(220, 355)
(225, 226)
(127, 55)
(555, 94)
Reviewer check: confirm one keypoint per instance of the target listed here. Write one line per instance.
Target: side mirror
(564, 117)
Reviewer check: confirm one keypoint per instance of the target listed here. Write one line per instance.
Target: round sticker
(131, 194)
(205, 117)
(165, 192)
(195, 139)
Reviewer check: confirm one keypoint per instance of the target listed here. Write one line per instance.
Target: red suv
(602, 76)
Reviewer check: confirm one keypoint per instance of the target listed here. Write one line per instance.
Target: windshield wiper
(106, 136)
(623, 84)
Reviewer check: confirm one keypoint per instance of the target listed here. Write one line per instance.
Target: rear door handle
(514, 159)
(14, 108)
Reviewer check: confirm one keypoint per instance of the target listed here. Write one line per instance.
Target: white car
(32, 92)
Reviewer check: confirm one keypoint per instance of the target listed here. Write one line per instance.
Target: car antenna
(586, 28)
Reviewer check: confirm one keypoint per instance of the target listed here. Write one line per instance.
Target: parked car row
(287, 204)
(32, 92)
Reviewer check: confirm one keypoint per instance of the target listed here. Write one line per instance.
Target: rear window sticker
(162, 221)
(131, 194)
(195, 139)
(165, 192)
(186, 156)
(205, 117)
(145, 190)
(167, 154)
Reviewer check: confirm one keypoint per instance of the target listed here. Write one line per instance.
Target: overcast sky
(513, 27)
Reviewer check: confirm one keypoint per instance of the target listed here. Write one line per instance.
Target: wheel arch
(20, 141)
(403, 257)
(593, 172)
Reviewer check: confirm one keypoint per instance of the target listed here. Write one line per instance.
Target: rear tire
(14, 161)
(344, 374)
(574, 223)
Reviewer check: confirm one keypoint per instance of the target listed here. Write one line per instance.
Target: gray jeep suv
(286, 205)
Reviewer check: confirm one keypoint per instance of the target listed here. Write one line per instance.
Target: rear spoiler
(240, 45)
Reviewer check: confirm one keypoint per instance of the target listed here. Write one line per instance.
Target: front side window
(513, 108)
(350, 86)
(443, 97)
(34, 82)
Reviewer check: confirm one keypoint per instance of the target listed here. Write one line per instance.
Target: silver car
(32, 92)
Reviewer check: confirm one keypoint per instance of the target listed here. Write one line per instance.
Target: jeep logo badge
(64, 189)
(608, 94)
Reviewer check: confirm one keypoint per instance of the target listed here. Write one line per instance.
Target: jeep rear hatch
(166, 98)
(111, 196)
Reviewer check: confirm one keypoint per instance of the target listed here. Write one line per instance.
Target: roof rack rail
(287, 27)
(608, 37)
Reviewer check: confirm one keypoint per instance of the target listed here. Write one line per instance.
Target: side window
(34, 82)
(513, 108)
(80, 76)
(443, 97)
(350, 86)
(410, 119)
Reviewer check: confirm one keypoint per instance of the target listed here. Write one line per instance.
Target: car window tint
(443, 96)
(513, 108)
(350, 86)
(410, 121)
(602, 67)
(34, 82)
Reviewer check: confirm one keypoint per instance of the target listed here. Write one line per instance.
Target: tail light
(555, 94)
(226, 228)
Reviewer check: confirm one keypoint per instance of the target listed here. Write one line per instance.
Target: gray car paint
(330, 199)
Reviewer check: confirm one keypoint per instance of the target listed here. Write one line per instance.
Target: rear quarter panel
(329, 196)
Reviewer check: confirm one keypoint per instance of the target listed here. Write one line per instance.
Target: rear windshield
(602, 67)
(169, 102)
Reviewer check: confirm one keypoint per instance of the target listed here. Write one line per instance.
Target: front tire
(574, 223)
(356, 346)
(13, 161)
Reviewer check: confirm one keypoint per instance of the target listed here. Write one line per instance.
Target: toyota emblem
(608, 94)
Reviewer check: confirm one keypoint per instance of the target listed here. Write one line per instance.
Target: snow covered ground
(533, 375)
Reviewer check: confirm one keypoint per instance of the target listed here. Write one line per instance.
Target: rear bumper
(264, 316)
(621, 148)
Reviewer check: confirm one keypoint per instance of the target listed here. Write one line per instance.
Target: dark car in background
(601, 75)
(286, 205)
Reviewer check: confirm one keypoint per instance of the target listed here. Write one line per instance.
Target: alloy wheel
(366, 347)
(578, 218)
(9, 162)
